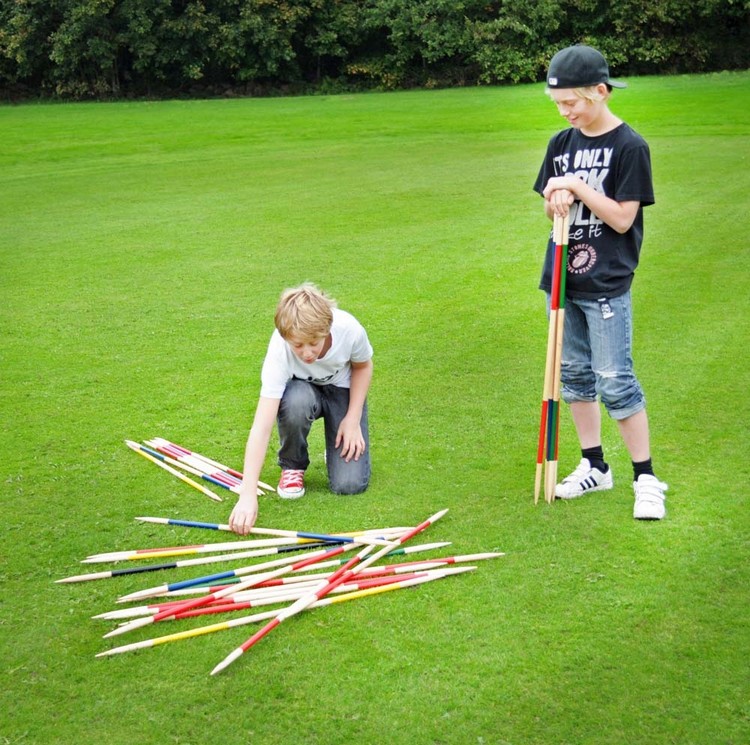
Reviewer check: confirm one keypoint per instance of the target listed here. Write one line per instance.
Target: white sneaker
(649, 498)
(583, 480)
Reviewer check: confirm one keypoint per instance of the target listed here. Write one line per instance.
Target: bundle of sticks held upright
(290, 584)
(549, 426)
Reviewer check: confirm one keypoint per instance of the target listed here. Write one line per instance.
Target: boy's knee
(298, 400)
(621, 394)
(352, 487)
(578, 384)
(349, 480)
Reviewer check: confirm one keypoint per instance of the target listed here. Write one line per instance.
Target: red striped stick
(197, 548)
(136, 448)
(196, 466)
(265, 615)
(192, 466)
(185, 451)
(284, 585)
(321, 556)
(199, 586)
(287, 538)
(284, 566)
(560, 228)
(240, 601)
(235, 556)
(255, 530)
(208, 461)
(337, 578)
(363, 584)
(550, 416)
(195, 603)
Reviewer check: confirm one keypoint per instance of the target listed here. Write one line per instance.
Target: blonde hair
(304, 313)
(590, 93)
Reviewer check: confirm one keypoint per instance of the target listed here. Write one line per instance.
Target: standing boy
(599, 172)
(318, 364)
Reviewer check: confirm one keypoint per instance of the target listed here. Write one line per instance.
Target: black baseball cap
(578, 67)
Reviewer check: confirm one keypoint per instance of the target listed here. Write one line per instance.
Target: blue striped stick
(191, 562)
(316, 556)
(255, 530)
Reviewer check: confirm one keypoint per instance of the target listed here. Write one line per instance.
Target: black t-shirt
(601, 261)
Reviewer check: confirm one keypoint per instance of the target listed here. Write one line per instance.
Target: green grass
(144, 246)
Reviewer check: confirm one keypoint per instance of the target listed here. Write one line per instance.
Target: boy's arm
(245, 511)
(561, 191)
(349, 435)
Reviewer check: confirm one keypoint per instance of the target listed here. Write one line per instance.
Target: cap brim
(617, 84)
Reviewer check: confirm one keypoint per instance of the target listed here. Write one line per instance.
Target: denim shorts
(597, 361)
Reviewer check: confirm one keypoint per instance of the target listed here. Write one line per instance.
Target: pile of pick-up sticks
(293, 583)
(175, 459)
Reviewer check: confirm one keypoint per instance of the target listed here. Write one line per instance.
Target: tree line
(104, 49)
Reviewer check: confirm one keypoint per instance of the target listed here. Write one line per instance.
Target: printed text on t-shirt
(591, 166)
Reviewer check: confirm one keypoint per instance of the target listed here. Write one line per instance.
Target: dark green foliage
(112, 48)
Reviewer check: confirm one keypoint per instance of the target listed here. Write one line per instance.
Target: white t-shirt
(349, 343)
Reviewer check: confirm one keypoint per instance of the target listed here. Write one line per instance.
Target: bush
(110, 48)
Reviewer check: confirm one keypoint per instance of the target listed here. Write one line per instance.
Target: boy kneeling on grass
(318, 364)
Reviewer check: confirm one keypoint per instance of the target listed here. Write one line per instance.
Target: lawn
(144, 246)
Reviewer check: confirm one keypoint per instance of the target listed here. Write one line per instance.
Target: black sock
(595, 456)
(641, 467)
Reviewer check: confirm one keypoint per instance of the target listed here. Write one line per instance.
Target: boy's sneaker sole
(290, 494)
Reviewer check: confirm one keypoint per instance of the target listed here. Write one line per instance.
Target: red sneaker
(291, 484)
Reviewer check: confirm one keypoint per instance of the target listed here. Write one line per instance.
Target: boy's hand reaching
(244, 514)
(349, 438)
